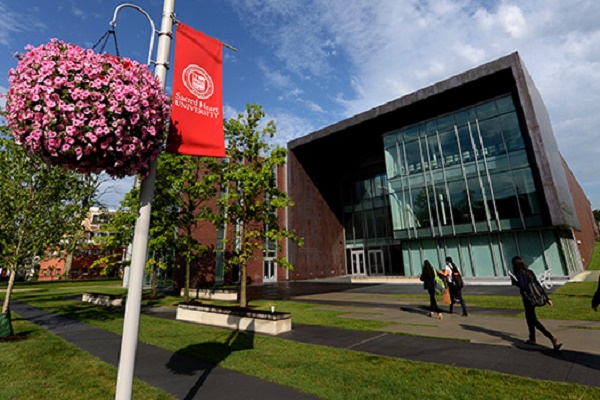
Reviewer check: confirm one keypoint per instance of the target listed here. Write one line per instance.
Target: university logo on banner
(196, 126)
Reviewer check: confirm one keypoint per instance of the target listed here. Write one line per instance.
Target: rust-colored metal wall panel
(589, 231)
(323, 252)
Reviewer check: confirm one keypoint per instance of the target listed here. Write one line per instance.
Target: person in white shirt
(456, 284)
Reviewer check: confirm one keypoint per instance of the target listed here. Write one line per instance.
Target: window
(466, 171)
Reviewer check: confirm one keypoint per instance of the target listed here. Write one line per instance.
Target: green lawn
(595, 261)
(64, 283)
(350, 375)
(44, 366)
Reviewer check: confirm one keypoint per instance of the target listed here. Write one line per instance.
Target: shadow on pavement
(186, 361)
(577, 357)
(421, 310)
(502, 335)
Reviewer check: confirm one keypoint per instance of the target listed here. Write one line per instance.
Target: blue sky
(311, 63)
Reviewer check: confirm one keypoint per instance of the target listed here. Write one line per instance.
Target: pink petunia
(72, 96)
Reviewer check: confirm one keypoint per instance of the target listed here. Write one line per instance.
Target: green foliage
(185, 186)
(251, 196)
(179, 192)
(40, 206)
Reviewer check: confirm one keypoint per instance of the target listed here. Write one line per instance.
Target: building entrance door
(269, 270)
(358, 262)
(376, 266)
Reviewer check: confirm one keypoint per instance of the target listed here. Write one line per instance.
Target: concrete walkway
(484, 326)
(181, 376)
(487, 339)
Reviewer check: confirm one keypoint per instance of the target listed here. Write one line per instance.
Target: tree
(251, 196)
(179, 193)
(40, 207)
(89, 198)
(596, 216)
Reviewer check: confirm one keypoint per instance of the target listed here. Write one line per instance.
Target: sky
(312, 63)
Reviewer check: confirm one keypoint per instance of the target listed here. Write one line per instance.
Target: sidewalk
(482, 326)
(488, 339)
(181, 376)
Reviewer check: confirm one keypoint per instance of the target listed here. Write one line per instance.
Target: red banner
(196, 126)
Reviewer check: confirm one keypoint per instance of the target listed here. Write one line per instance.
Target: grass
(44, 366)
(595, 261)
(350, 375)
(572, 301)
(64, 283)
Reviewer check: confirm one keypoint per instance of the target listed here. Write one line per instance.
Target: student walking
(532, 293)
(456, 284)
(596, 298)
(428, 279)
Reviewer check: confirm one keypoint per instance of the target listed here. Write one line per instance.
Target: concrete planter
(103, 299)
(272, 323)
(212, 294)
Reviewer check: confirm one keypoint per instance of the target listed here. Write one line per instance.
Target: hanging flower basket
(86, 111)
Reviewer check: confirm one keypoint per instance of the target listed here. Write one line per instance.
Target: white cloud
(293, 30)
(387, 48)
(113, 191)
(289, 127)
(3, 91)
(14, 22)
(276, 78)
(230, 112)
(78, 12)
(508, 18)
(314, 106)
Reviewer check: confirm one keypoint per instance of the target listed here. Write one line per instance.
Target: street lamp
(140, 239)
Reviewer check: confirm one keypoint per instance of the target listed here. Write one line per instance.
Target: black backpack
(457, 280)
(536, 295)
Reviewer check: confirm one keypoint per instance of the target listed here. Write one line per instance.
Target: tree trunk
(68, 264)
(153, 282)
(243, 299)
(9, 289)
(186, 290)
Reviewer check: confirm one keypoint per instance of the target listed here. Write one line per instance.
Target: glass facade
(367, 221)
(465, 172)
(458, 184)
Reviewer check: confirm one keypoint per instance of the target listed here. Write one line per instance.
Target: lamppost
(140, 239)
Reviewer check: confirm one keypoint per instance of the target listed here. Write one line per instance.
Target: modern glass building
(467, 168)
(461, 185)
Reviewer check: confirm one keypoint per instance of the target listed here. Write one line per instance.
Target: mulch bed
(13, 338)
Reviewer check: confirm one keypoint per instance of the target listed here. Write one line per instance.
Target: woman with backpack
(428, 276)
(533, 295)
(456, 284)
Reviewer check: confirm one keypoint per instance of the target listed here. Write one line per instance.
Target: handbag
(446, 297)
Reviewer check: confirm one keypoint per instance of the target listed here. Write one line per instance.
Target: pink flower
(86, 111)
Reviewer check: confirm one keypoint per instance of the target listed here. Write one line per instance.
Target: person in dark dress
(522, 277)
(596, 298)
(428, 279)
